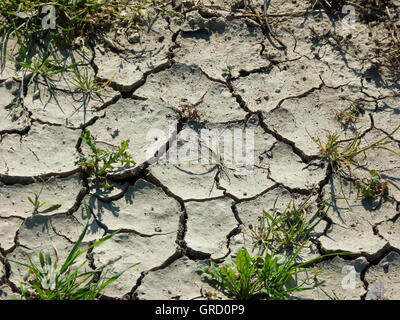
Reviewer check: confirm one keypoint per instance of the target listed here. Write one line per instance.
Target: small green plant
(228, 71)
(349, 115)
(341, 155)
(89, 88)
(373, 187)
(86, 83)
(15, 109)
(290, 228)
(270, 276)
(37, 205)
(100, 162)
(216, 157)
(68, 282)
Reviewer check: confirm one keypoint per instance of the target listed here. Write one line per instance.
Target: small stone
(157, 229)
(134, 38)
(385, 267)
(101, 49)
(115, 133)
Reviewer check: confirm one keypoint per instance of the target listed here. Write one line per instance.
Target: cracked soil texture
(212, 68)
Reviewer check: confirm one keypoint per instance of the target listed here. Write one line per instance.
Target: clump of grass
(341, 154)
(287, 229)
(73, 18)
(46, 67)
(373, 187)
(100, 162)
(86, 84)
(190, 112)
(68, 282)
(261, 277)
(15, 109)
(88, 87)
(349, 115)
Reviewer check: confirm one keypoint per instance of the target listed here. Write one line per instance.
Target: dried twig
(266, 6)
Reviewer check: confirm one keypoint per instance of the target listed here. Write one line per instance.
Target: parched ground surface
(214, 68)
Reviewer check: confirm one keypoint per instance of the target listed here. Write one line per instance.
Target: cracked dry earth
(215, 69)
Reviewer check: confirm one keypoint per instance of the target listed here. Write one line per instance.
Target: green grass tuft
(271, 276)
(49, 281)
(287, 229)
